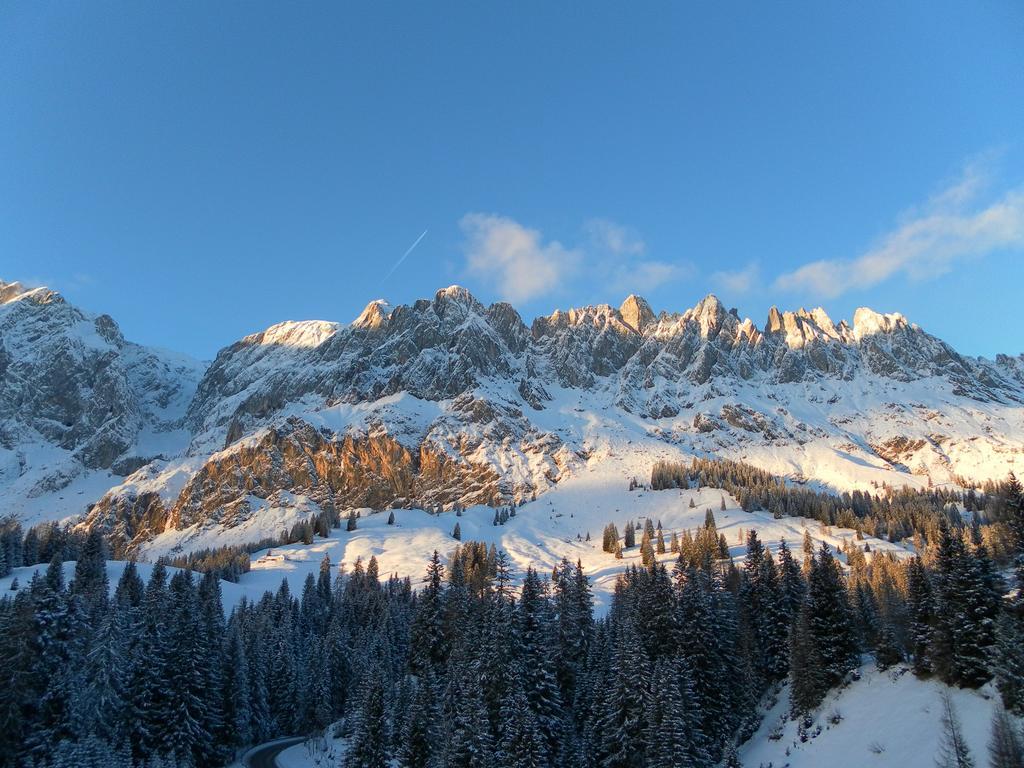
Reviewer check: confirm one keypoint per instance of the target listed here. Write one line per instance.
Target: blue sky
(202, 170)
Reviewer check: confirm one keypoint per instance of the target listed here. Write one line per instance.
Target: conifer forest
(475, 666)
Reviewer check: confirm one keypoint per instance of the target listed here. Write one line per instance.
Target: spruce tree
(427, 639)
(919, 599)
(538, 642)
(1009, 660)
(368, 745)
(807, 684)
(831, 622)
(419, 746)
(236, 707)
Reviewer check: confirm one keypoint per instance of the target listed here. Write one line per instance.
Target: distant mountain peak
(637, 312)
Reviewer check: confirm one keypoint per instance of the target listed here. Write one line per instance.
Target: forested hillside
(466, 668)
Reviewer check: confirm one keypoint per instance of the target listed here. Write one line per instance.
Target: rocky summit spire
(374, 316)
(636, 313)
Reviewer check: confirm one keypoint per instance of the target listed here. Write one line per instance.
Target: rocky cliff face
(75, 396)
(447, 402)
(438, 349)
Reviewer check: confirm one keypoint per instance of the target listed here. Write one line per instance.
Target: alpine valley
(456, 438)
(447, 403)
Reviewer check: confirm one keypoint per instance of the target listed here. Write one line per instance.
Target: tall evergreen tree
(368, 746)
(830, 619)
(919, 599)
(953, 751)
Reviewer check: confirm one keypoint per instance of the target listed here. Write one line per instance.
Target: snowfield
(886, 718)
(545, 531)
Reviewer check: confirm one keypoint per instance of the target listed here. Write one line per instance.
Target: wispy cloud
(614, 238)
(617, 256)
(644, 275)
(515, 258)
(739, 281)
(522, 265)
(930, 240)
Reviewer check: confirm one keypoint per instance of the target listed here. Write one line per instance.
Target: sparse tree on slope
(953, 751)
(1006, 745)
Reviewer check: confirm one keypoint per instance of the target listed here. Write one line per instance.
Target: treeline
(41, 544)
(890, 513)
(228, 562)
(469, 670)
(45, 541)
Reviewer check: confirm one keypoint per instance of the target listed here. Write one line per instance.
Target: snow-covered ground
(231, 594)
(539, 536)
(322, 752)
(886, 718)
(883, 719)
(542, 533)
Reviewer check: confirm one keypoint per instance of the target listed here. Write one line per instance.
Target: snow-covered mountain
(80, 407)
(447, 402)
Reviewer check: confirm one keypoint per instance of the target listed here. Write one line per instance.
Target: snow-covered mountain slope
(447, 402)
(883, 719)
(886, 719)
(544, 531)
(231, 594)
(79, 405)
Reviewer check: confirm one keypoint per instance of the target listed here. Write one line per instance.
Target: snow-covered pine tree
(806, 684)
(920, 607)
(538, 643)
(427, 641)
(1009, 659)
(368, 745)
(98, 703)
(831, 621)
(210, 655)
(237, 712)
(419, 745)
(185, 728)
(520, 743)
(620, 721)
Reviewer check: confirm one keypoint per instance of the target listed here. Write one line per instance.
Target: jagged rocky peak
(10, 292)
(867, 322)
(375, 315)
(710, 316)
(800, 328)
(71, 379)
(599, 317)
(306, 333)
(637, 313)
(456, 294)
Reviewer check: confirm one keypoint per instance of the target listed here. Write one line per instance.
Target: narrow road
(265, 755)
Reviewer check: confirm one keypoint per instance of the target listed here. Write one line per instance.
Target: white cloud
(929, 241)
(515, 258)
(642, 276)
(614, 257)
(523, 266)
(738, 281)
(613, 238)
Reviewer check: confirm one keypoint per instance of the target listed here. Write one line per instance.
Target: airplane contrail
(404, 255)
